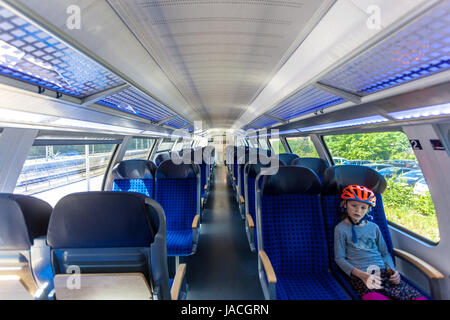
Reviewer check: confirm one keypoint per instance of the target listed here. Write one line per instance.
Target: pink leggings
(379, 296)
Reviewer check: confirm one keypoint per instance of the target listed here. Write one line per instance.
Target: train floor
(223, 267)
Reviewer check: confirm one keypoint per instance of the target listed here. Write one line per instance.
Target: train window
(139, 148)
(303, 147)
(263, 144)
(277, 146)
(407, 200)
(165, 146)
(53, 171)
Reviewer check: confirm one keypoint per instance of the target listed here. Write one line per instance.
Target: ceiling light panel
(30, 54)
(132, 101)
(262, 122)
(208, 48)
(305, 101)
(177, 123)
(418, 50)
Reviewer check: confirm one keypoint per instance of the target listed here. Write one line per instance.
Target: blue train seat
(292, 248)
(315, 164)
(287, 158)
(336, 178)
(161, 157)
(178, 192)
(135, 176)
(108, 235)
(251, 171)
(23, 219)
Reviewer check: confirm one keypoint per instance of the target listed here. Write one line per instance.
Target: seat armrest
(430, 271)
(270, 273)
(250, 222)
(178, 281)
(195, 221)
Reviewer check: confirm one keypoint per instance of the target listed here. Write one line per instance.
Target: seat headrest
(338, 177)
(287, 158)
(315, 164)
(170, 170)
(103, 220)
(291, 180)
(253, 169)
(161, 158)
(23, 218)
(134, 169)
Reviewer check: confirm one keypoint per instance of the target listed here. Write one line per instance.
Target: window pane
(277, 146)
(51, 172)
(139, 148)
(166, 145)
(263, 144)
(407, 201)
(303, 147)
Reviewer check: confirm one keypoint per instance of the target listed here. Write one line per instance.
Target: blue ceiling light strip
(32, 55)
(305, 101)
(418, 50)
(177, 123)
(261, 122)
(132, 101)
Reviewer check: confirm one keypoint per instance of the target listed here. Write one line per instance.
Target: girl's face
(356, 210)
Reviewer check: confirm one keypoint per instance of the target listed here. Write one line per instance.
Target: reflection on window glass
(303, 147)
(51, 172)
(166, 145)
(263, 144)
(277, 146)
(407, 200)
(139, 148)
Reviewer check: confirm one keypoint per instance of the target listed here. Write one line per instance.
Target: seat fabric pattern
(178, 197)
(294, 241)
(144, 186)
(179, 242)
(309, 286)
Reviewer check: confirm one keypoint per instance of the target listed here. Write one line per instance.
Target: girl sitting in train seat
(361, 252)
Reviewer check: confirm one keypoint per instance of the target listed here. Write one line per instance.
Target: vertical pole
(86, 152)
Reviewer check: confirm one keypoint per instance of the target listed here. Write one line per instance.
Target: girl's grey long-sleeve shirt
(369, 250)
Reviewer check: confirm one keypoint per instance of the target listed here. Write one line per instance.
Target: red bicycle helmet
(359, 193)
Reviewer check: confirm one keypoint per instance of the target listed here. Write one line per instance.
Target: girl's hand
(372, 281)
(395, 278)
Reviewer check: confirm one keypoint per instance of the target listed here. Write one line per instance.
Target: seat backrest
(315, 164)
(113, 233)
(251, 171)
(336, 178)
(135, 176)
(287, 158)
(23, 219)
(161, 157)
(178, 192)
(289, 222)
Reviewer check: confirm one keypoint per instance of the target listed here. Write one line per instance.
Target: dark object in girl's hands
(389, 273)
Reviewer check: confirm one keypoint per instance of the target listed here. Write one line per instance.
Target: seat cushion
(144, 186)
(309, 286)
(179, 243)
